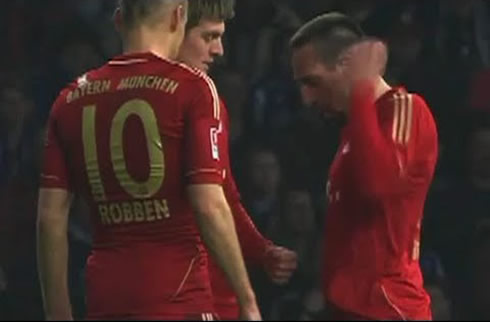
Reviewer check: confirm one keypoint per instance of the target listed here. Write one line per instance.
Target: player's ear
(343, 61)
(118, 20)
(178, 17)
(346, 55)
(382, 54)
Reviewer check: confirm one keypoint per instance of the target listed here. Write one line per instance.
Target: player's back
(123, 130)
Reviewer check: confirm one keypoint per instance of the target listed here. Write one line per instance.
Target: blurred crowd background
(281, 151)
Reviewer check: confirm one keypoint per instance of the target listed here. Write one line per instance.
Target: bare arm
(218, 231)
(52, 252)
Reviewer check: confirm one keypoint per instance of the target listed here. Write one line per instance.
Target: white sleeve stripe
(214, 93)
(408, 128)
(393, 306)
(212, 87)
(403, 118)
(396, 117)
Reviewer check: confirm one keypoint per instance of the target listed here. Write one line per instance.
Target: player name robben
(133, 211)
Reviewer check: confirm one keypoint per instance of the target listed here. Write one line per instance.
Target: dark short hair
(136, 11)
(209, 9)
(330, 33)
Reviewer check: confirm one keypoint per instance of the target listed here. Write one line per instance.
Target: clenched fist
(366, 60)
(280, 264)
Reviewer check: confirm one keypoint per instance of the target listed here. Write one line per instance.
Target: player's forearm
(53, 265)
(372, 158)
(218, 231)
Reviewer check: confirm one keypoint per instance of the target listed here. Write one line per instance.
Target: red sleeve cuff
(53, 182)
(259, 258)
(203, 176)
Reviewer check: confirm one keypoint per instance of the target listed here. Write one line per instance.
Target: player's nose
(217, 48)
(307, 97)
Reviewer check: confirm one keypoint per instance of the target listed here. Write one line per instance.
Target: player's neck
(160, 45)
(381, 88)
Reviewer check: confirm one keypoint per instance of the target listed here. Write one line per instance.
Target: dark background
(280, 151)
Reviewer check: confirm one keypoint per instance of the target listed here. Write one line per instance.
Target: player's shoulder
(398, 102)
(181, 71)
(199, 88)
(185, 77)
(198, 78)
(64, 97)
(193, 80)
(403, 113)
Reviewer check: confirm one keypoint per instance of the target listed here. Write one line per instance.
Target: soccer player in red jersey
(201, 46)
(380, 175)
(139, 139)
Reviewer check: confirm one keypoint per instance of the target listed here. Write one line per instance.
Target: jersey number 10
(138, 190)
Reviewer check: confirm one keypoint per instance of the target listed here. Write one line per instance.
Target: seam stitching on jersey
(191, 173)
(128, 62)
(408, 128)
(186, 276)
(391, 304)
(396, 117)
(402, 117)
(209, 82)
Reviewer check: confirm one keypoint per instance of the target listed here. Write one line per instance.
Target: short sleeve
(54, 173)
(204, 131)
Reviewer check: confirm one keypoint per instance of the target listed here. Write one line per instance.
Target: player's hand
(366, 60)
(250, 312)
(60, 318)
(59, 314)
(280, 264)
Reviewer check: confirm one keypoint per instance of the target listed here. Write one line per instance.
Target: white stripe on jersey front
(408, 128)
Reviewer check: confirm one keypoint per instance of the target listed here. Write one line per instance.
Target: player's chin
(333, 118)
(330, 114)
(205, 68)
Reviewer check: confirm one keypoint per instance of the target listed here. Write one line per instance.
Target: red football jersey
(129, 137)
(377, 189)
(252, 243)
